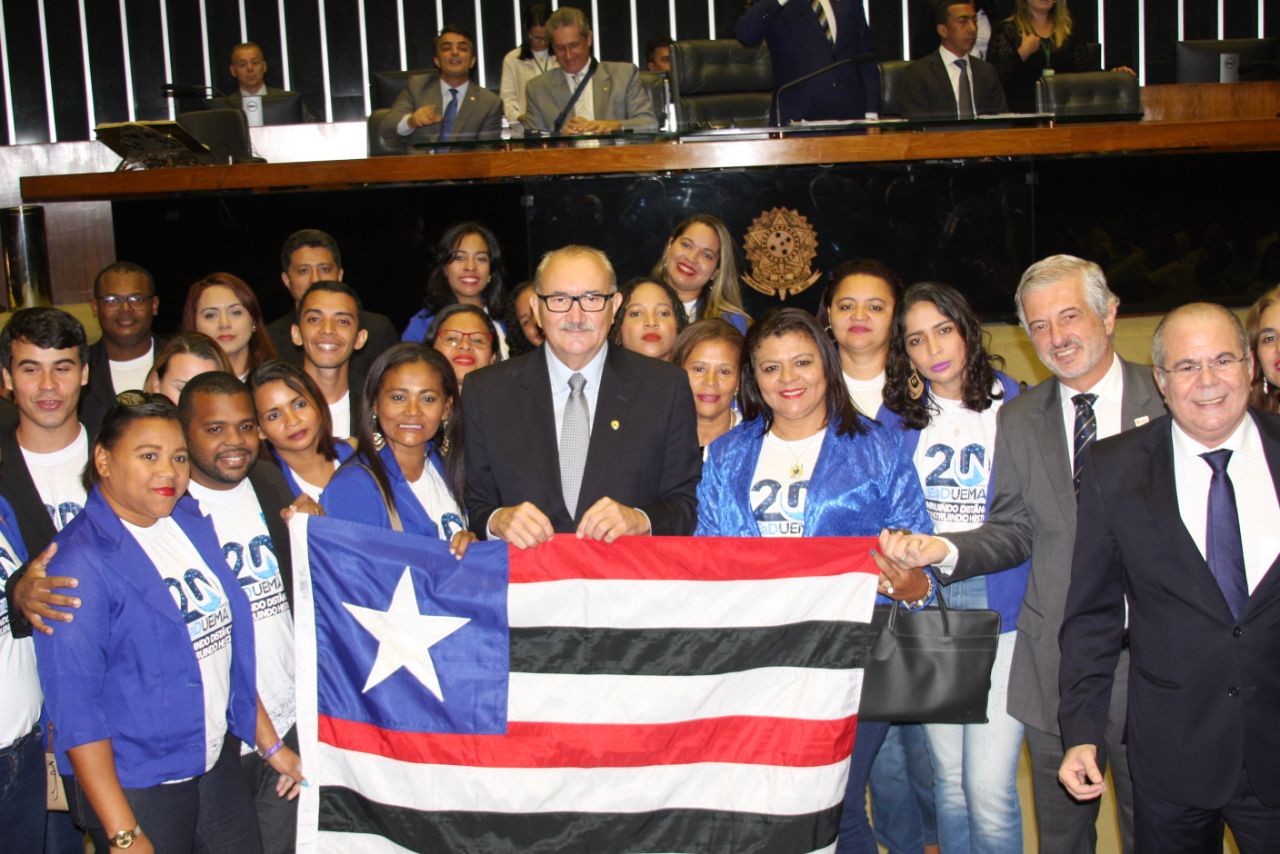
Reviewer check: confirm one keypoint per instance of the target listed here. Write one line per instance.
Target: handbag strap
(577, 93)
(942, 609)
(396, 525)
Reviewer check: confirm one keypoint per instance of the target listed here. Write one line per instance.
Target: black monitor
(1226, 60)
(279, 109)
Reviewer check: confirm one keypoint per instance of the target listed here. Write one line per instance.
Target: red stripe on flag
(689, 559)
(740, 740)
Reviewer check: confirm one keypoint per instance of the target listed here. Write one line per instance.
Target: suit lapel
(1047, 423)
(1136, 401)
(610, 422)
(535, 389)
(15, 478)
(1269, 586)
(943, 82)
(601, 90)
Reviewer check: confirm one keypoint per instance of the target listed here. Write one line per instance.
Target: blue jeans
(855, 831)
(975, 766)
(22, 794)
(902, 791)
(209, 814)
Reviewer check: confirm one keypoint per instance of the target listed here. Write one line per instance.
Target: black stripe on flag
(689, 830)
(688, 652)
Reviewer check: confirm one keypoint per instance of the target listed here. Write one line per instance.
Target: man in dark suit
(611, 100)
(1069, 313)
(806, 37)
(579, 435)
(446, 106)
(249, 68)
(950, 83)
(1180, 520)
(125, 304)
(310, 256)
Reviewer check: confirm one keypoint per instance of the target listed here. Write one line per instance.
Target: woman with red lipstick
(297, 427)
(1263, 325)
(805, 463)
(150, 689)
(948, 416)
(407, 474)
(466, 336)
(710, 352)
(226, 309)
(650, 318)
(698, 263)
(857, 309)
(468, 270)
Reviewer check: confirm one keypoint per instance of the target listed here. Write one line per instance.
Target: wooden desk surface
(1250, 134)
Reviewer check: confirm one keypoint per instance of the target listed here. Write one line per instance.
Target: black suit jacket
(97, 398)
(925, 89)
(1204, 687)
(643, 452)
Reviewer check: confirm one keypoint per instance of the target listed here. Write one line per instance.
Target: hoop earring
(915, 385)
(379, 441)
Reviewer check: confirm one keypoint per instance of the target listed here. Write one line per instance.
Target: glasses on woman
(479, 340)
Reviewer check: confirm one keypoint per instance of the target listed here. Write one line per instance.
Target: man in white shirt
(1177, 547)
(125, 305)
(327, 328)
(1042, 440)
(951, 83)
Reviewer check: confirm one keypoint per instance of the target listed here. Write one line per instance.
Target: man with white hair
(1069, 314)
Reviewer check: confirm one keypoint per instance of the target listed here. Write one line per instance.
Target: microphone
(860, 59)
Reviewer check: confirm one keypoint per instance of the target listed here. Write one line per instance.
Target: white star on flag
(405, 636)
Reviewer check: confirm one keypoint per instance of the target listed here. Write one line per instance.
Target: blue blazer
(353, 495)
(860, 484)
(125, 669)
(1005, 588)
(344, 453)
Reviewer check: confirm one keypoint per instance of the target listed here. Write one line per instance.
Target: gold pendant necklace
(797, 467)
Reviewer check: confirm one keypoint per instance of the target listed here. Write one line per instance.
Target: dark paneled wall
(70, 64)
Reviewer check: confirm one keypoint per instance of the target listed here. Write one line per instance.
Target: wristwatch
(126, 838)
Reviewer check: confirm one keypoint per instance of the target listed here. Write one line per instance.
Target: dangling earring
(444, 443)
(915, 385)
(1266, 389)
(378, 439)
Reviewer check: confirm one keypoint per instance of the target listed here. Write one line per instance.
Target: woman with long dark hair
(857, 309)
(468, 269)
(650, 318)
(296, 425)
(407, 474)
(531, 57)
(943, 391)
(824, 470)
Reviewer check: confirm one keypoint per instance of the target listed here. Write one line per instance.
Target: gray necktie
(966, 94)
(575, 435)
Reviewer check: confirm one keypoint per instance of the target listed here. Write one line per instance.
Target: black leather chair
(377, 145)
(224, 132)
(890, 75)
(1091, 93)
(384, 86)
(655, 83)
(721, 83)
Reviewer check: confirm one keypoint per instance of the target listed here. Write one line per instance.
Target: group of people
(162, 473)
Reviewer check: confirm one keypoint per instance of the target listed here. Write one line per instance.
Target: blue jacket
(344, 453)
(1006, 588)
(353, 495)
(11, 530)
(860, 484)
(124, 669)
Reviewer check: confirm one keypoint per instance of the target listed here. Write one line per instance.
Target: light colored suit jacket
(479, 113)
(615, 91)
(1033, 514)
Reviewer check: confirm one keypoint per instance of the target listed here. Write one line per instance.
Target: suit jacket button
(1237, 632)
(1233, 691)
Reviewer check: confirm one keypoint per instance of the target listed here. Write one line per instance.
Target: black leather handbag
(930, 666)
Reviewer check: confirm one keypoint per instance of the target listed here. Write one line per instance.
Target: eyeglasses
(561, 303)
(1189, 370)
(537, 39)
(114, 301)
(479, 340)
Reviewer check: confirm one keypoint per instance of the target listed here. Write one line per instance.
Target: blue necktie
(1086, 432)
(450, 115)
(1222, 548)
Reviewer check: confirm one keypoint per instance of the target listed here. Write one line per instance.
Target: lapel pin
(1140, 420)
(615, 424)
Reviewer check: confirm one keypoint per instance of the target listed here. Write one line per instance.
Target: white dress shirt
(1255, 495)
(560, 372)
(953, 74)
(445, 97)
(1106, 409)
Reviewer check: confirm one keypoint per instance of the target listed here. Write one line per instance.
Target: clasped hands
(578, 126)
(901, 558)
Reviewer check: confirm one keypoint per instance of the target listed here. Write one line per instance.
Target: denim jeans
(209, 814)
(22, 798)
(902, 809)
(855, 829)
(975, 765)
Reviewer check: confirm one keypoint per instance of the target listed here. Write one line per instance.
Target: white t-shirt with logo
(953, 461)
(780, 484)
(131, 373)
(433, 495)
(246, 543)
(22, 697)
(340, 414)
(200, 597)
(57, 476)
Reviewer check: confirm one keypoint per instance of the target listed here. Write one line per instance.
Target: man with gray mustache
(578, 436)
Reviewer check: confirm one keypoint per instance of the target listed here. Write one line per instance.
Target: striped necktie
(821, 12)
(1086, 432)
